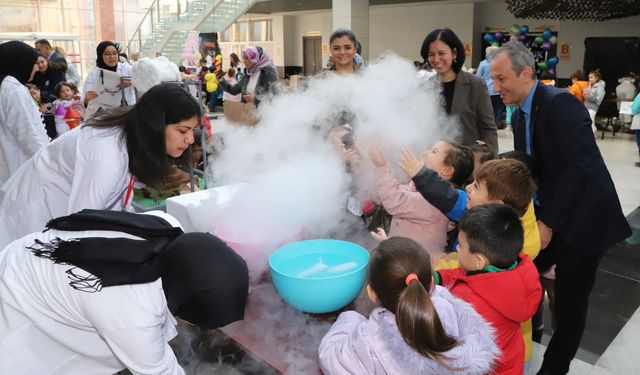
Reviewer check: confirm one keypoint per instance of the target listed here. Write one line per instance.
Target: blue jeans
(212, 100)
(638, 138)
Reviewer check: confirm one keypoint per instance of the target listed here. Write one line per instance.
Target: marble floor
(609, 345)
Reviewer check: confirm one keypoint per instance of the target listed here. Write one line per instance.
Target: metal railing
(164, 20)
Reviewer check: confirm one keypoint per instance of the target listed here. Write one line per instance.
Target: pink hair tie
(410, 278)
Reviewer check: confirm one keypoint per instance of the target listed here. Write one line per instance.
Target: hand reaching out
(409, 163)
(377, 157)
(379, 235)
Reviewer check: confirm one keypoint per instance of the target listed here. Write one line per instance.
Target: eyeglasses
(105, 87)
(110, 54)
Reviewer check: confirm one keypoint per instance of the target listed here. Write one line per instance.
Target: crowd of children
(470, 214)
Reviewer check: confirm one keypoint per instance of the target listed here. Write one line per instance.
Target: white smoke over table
(297, 176)
(298, 181)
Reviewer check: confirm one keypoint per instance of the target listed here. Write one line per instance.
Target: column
(354, 15)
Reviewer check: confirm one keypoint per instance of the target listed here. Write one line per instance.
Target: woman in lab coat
(97, 293)
(107, 59)
(96, 165)
(22, 132)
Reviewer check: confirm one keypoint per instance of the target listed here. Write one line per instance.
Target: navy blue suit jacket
(576, 195)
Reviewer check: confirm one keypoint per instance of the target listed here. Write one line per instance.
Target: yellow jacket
(212, 82)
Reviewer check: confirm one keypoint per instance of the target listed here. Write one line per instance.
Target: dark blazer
(265, 86)
(58, 62)
(576, 195)
(472, 106)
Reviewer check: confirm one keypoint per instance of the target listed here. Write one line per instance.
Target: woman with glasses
(108, 60)
(97, 164)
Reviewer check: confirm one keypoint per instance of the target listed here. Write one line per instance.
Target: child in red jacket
(502, 285)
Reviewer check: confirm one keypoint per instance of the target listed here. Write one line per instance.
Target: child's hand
(377, 157)
(379, 235)
(409, 163)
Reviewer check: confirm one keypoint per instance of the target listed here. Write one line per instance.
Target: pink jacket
(413, 216)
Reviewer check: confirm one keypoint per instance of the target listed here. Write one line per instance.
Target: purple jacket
(355, 345)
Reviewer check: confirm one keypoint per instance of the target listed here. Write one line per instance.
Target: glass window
(242, 32)
(256, 30)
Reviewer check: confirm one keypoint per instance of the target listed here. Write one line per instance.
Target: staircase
(164, 25)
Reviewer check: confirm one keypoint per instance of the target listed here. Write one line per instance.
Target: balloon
(542, 65)
(538, 40)
(546, 34)
(553, 39)
(495, 43)
(546, 45)
(522, 38)
(553, 61)
(524, 29)
(515, 29)
(552, 72)
(489, 38)
(499, 35)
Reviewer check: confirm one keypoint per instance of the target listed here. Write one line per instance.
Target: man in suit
(579, 213)
(55, 61)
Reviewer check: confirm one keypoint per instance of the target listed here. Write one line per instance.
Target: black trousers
(575, 276)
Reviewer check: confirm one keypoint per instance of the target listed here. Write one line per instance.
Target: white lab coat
(22, 131)
(86, 167)
(93, 82)
(47, 327)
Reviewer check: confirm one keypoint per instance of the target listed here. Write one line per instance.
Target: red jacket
(505, 299)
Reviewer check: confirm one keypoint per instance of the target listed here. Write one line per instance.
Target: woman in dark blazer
(465, 95)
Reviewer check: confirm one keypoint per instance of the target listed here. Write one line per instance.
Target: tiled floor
(611, 323)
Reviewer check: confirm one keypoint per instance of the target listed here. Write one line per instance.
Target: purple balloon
(522, 38)
(552, 72)
(498, 35)
(546, 45)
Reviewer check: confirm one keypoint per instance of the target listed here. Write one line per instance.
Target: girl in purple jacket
(419, 329)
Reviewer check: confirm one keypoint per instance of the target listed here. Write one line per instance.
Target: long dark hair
(234, 60)
(392, 261)
(448, 37)
(143, 130)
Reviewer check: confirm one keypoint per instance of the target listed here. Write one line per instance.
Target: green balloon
(538, 40)
(542, 65)
(515, 29)
(495, 43)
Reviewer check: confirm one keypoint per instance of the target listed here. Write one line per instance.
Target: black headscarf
(205, 282)
(100, 50)
(17, 60)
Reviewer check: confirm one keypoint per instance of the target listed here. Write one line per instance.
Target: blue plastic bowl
(319, 276)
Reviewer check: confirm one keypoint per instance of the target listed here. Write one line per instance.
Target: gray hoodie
(593, 100)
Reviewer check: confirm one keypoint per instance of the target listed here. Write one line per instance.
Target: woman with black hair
(465, 95)
(344, 47)
(22, 132)
(96, 165)
(107, 58)
(96, 293)
(46, 78)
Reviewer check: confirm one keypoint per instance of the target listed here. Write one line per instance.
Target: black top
(447, 92)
